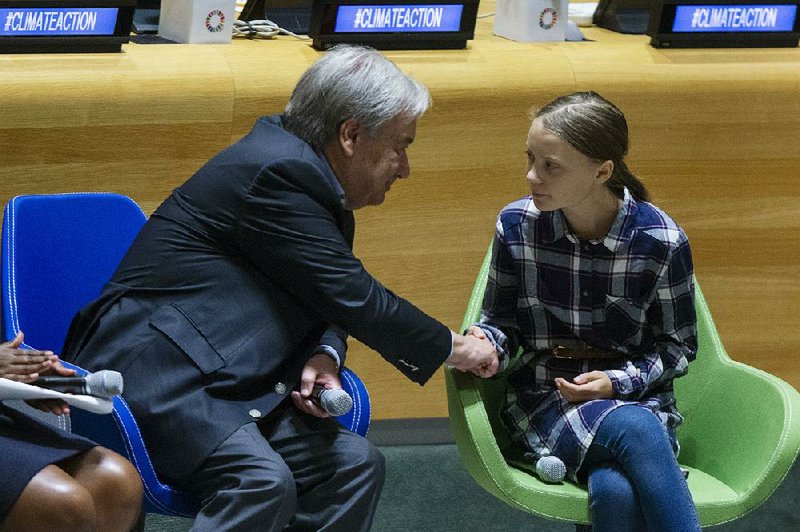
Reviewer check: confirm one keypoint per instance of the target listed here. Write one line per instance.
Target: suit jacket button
(255, 413)
(280, 388)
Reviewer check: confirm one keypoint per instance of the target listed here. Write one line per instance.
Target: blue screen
(398, 18)
(57, 21)
(734, 18)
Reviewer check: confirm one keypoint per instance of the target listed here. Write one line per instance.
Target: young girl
(55, 480)
(594, 283)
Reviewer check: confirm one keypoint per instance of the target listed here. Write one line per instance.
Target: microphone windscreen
(335, 402)
(551, 469)
(104, 383)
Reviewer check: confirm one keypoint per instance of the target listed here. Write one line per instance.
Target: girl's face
(560, 176)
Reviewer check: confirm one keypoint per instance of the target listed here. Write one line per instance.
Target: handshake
(473, 353)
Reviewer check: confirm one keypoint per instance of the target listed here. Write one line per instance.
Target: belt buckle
(559, 351)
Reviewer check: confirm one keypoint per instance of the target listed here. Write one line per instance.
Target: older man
(242, 286)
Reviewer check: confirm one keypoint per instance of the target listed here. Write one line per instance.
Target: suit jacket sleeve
(337, 339)
(288, 228)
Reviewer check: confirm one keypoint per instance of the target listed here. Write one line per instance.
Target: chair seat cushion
(712, 497)
(716, 502)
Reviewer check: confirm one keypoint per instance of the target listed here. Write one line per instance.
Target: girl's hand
(585, 387)
(476, 331)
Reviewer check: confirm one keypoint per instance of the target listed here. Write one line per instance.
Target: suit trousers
(289, 471)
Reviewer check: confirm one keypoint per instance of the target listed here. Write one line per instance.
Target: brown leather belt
(560, 351)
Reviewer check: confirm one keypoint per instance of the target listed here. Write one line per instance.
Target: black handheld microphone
(105, 384)
(334, 402)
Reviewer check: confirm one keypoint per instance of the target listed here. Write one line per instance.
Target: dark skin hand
(25, 365)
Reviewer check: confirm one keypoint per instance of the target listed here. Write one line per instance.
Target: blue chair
(57, 253)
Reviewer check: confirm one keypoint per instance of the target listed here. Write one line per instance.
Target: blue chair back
(57, 253)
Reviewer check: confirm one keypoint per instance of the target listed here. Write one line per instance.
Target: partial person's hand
(23, 365)
(54, 406)
(585, 387)
(58, 369)
(476, 331)
(51, 406)
(474, 355)
(320, 370)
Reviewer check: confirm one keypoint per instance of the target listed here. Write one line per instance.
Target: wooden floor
(715, 135)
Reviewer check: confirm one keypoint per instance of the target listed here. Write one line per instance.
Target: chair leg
(583, 528)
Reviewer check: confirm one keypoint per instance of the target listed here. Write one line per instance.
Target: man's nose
(405, 168)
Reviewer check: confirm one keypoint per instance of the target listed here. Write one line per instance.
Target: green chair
(740, 438)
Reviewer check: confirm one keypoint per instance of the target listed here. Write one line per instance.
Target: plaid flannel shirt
(631, 292)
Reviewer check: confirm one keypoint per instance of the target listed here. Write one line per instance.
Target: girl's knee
(119, 478)
(75, 510)
(638, 427)
(53, 501)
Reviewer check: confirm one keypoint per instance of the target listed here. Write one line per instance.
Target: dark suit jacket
(229, 288)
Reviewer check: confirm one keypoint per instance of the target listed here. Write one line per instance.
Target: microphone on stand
(335, 402)
(105, 384)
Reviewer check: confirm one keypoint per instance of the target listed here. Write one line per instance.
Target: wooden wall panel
(138, 122)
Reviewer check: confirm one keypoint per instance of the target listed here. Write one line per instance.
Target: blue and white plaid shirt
(631, 292)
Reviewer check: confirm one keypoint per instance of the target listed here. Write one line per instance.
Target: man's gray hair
(351, 82)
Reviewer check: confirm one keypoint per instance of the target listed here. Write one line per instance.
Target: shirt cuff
(331, 352)
(622, 381)
(500, 341)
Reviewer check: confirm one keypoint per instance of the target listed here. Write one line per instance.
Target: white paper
(18, 390)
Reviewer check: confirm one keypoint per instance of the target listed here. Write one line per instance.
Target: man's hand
(322, 371)
(585, 387)
(473, 354)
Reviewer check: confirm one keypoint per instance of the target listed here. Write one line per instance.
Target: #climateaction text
(57, 21)
(735, 17)
(393, 18)
(398, 17)
(19, 21)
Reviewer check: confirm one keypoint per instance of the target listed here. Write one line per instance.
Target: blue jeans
(635, 483)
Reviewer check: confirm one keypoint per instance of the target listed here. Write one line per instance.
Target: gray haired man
(243, 286)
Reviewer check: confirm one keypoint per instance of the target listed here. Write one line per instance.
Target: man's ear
(349, 133)
(605, 172)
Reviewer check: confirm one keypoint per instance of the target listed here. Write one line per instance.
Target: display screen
(398, 18)
(734, 18)
(57, 21)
